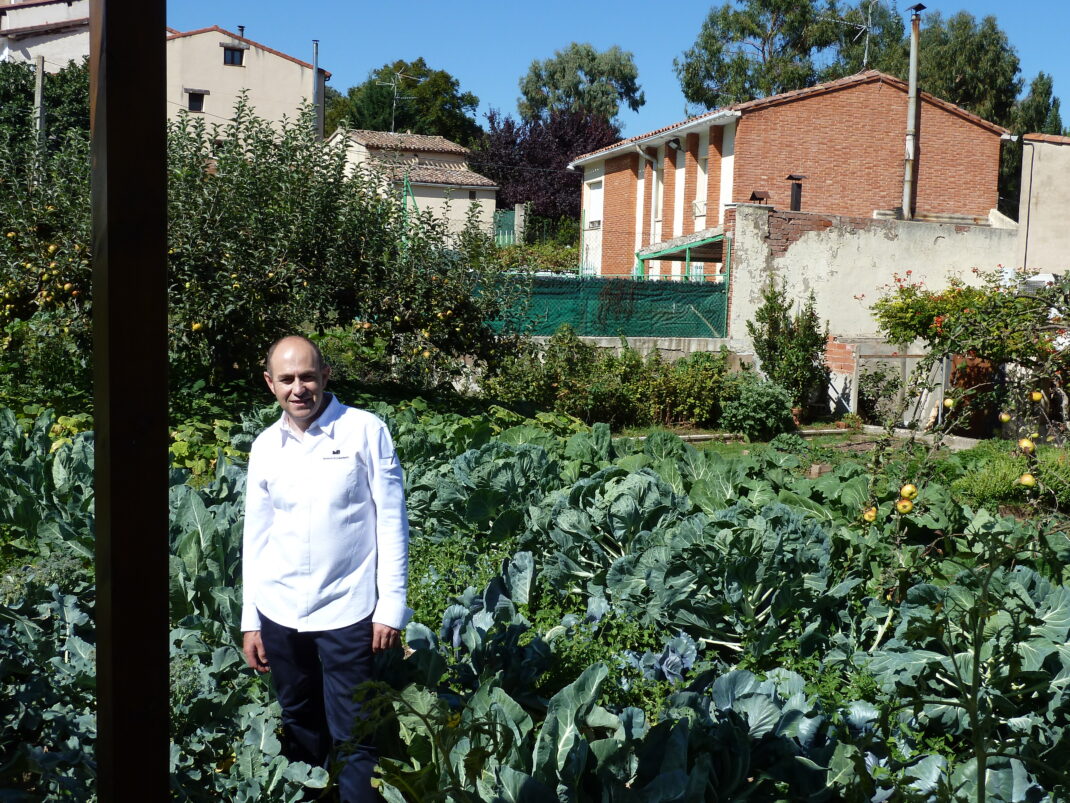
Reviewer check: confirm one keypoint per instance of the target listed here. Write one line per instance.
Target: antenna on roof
(399, 76)
(862, 29)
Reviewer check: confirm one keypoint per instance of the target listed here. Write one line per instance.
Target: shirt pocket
(341, 481)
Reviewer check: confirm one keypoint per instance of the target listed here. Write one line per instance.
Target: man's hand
(253, 648)
(384, 637)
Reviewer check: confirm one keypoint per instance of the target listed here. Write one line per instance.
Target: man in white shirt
(325, 559)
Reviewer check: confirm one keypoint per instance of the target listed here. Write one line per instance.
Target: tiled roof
(1052, 138)
(454, 175)
(870, 76)
(44, 27)
(384, 140)
(217, 29)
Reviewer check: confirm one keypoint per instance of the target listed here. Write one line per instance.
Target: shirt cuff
(391, 613)
(250, 620)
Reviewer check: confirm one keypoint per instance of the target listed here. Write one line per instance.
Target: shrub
(622, 389)
(791, 348)
(698, 380)
(543, 256)
(756, 408)
(878, 389)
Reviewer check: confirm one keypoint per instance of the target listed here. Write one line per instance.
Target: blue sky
(489, 45)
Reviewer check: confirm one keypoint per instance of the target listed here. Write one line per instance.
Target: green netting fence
(598, 307)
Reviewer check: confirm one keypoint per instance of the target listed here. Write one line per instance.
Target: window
(234, 56)
(471, 195)
(196, 101)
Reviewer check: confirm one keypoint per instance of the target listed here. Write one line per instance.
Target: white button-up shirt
(326, 531)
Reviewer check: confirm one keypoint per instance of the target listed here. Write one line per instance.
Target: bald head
(297, 378)
(293, 341)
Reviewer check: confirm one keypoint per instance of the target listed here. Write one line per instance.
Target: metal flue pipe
(912, 115)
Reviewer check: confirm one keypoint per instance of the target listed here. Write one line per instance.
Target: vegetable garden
(597, 619)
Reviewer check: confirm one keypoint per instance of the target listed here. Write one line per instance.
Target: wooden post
(129, 200)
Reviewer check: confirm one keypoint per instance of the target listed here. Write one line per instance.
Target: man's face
(298, 381)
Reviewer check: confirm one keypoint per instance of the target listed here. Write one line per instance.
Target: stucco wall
(846, 261)
(453, 205)
(58, 48)
(276, 86)
(1044, 210)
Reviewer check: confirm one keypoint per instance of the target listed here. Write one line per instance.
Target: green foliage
(756, 408)
(878, 390)
(266, 233)
(407, 96)
(750, 49)
(580, 78)
(970, 63)
(547, 256)
(66, 96)
(623, 389)
(597, 617)
(790, 348)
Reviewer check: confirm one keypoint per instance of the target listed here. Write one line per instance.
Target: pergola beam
(129, 200)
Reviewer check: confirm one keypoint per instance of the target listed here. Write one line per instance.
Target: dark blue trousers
(314, 675)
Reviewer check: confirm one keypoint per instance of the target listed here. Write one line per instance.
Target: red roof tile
(1053, 138)
(385, 140)
(870, 76)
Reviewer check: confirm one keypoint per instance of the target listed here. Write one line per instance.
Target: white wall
(276, 86)
(847, 267)
(453, 204)
(58, 48)
(1044, 209)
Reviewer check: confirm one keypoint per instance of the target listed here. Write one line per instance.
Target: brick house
(835, 148)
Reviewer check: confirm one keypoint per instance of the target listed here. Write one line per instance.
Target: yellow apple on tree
(904, 506)
(909, 491)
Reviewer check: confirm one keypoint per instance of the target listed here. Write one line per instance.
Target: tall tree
(749, 49)
(408, 96)
(580, 78)
(1036, 113)
(971, 64)
(869, 36)
(529, 158)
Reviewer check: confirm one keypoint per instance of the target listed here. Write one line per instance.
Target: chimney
(909, 178)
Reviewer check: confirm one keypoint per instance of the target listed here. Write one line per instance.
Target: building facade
(835, 148)
(207, 69)
(57, 30)
(1043, 233)
(431, 171)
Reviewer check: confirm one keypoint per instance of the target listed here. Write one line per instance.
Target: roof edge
(738, 109)
(657, 136)
(246, 40)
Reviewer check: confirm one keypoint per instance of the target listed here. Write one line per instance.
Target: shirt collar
(324, 422)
